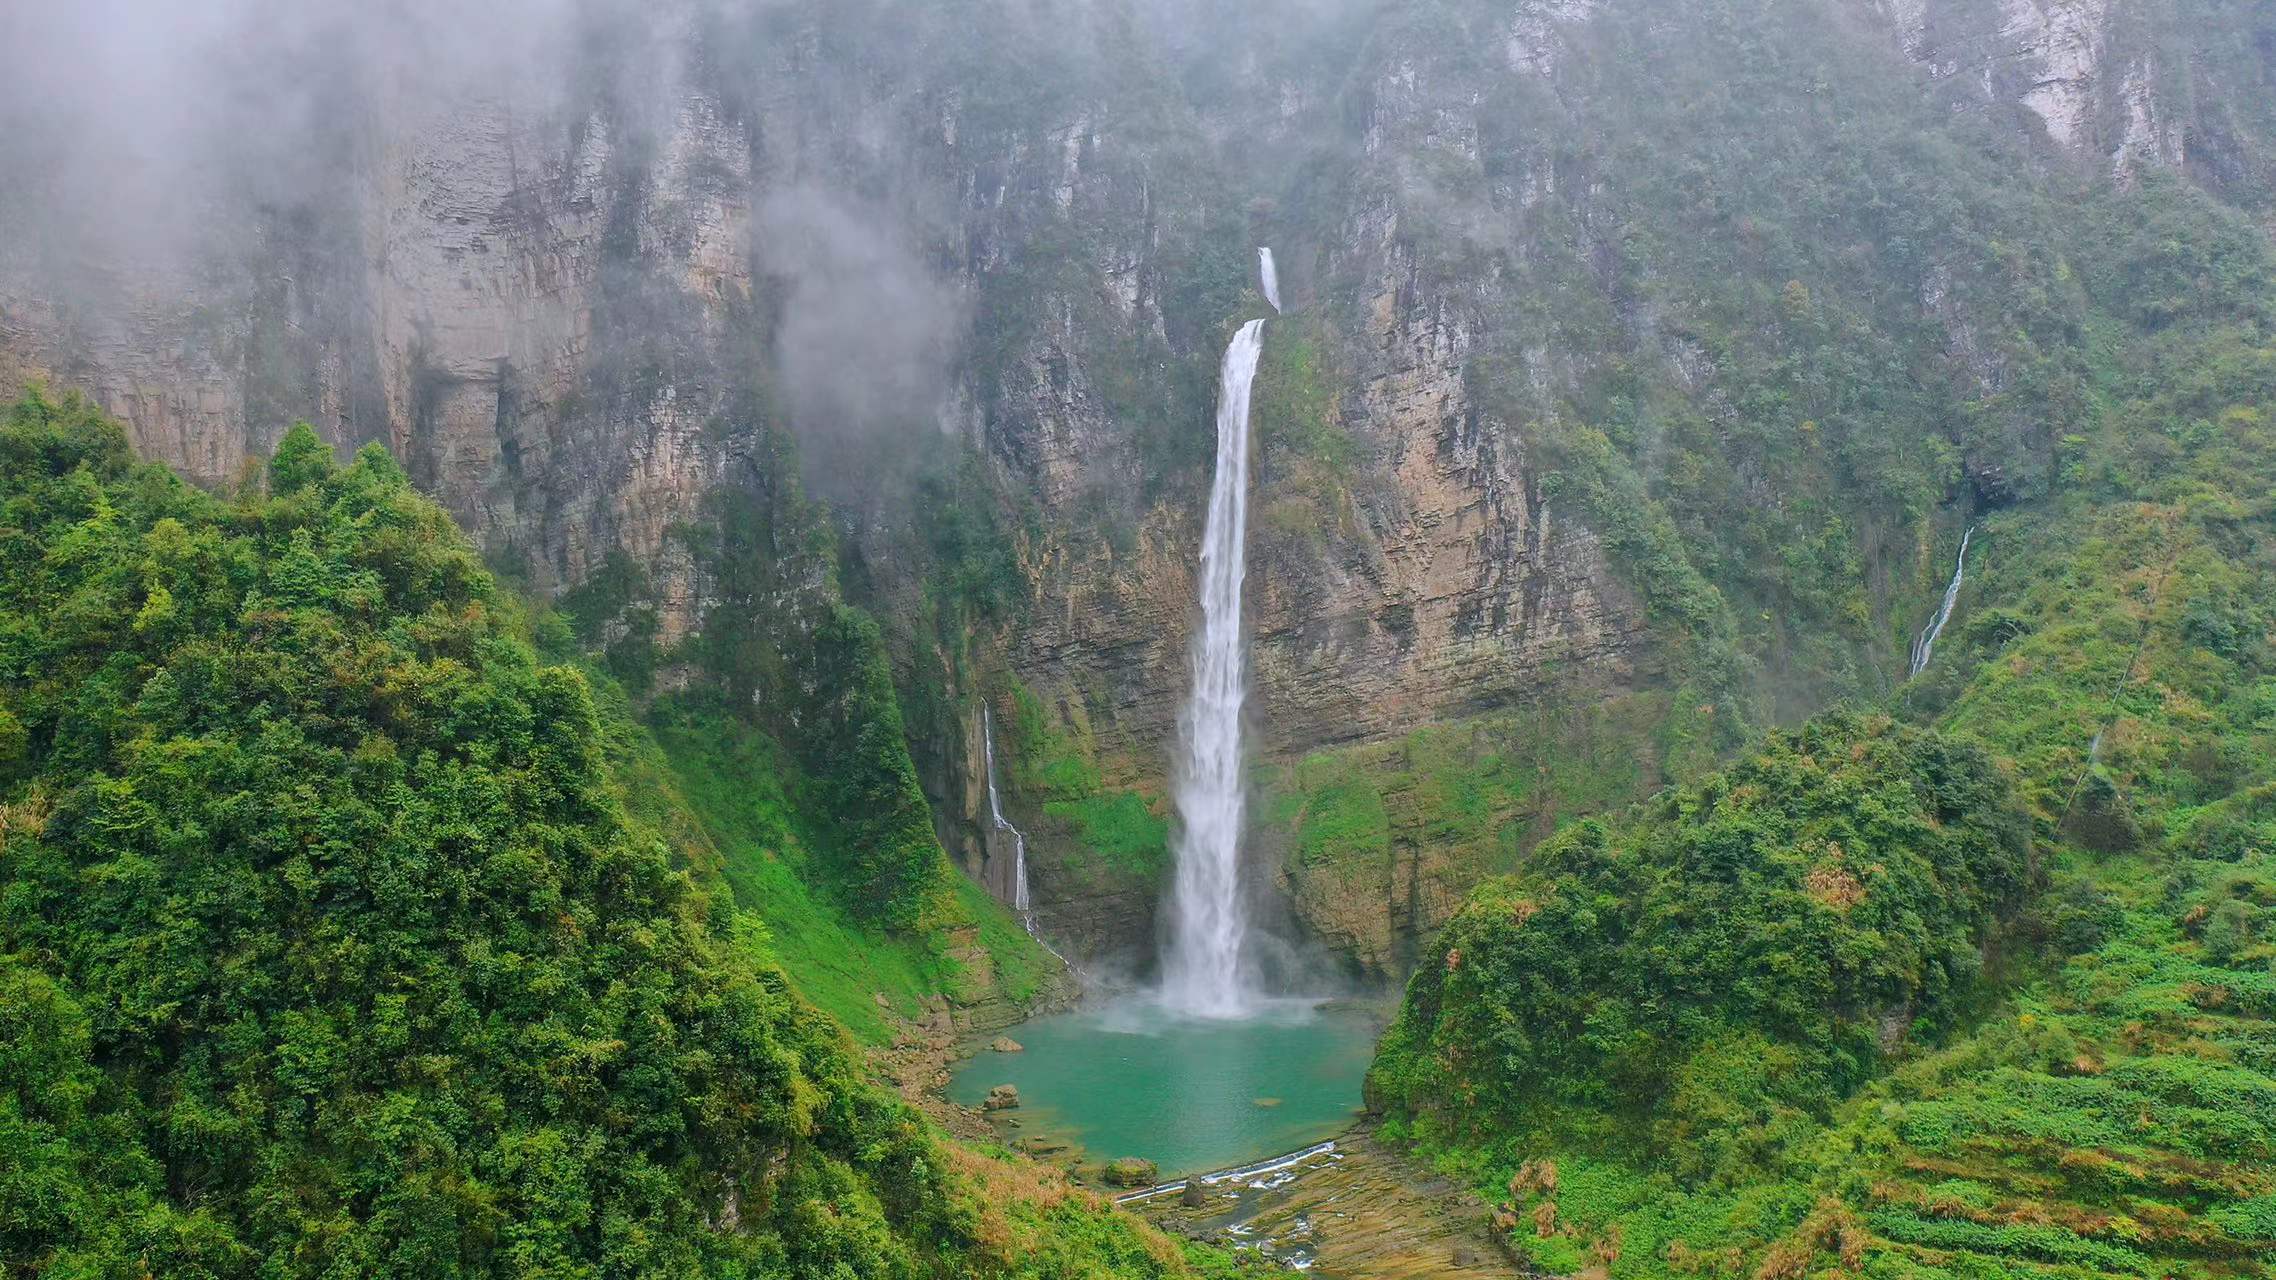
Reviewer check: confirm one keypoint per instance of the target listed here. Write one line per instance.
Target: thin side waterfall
(1201, 967)
(1022, 906)
(1270, 275)
(1925, 647)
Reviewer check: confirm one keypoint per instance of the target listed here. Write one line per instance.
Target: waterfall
(1271, 277)
(1021, 905)
(1925, 647)
(1201, 967)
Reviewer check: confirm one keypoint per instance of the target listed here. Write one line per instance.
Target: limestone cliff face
(455, 301)
(1425, 578)
(576, 317)
(1452, 585)
(2130, 87)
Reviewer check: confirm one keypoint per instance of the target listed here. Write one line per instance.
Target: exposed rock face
(449, 308)
(2125, 86)
(567, 316)
(1457, 588)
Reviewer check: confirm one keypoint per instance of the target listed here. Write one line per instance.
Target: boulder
(1003, 1097)
(1005, 1044)
(1195, 1195)
(1130, 1171)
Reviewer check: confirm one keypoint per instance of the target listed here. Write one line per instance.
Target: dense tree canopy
(326, 949)
(1737, 952)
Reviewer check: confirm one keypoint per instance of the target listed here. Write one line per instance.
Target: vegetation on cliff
(2102, 1105)
(330, 943)
(1707, 976)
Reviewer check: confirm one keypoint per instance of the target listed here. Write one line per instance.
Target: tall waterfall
(1021, 905)
(1925, 647)
(1201, 967)
(1270, 275)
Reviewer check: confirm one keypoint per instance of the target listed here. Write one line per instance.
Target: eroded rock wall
(2131, 87)
(566, 312)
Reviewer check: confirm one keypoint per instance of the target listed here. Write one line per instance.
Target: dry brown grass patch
(1834, 887)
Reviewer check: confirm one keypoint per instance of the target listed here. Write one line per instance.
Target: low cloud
(866, 336)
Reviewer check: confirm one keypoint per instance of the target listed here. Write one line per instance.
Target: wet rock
(1268, 1103)
(1366, 1210)
(1130, 1171)
(1003, 1097)
(1005, 1044)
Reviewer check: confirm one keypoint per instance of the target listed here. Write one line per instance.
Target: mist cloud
(866, 336)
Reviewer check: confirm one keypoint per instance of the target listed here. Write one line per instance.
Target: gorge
(816, 547)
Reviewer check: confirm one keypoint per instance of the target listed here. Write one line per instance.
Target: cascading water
(1270, 276)
(1925, 647)
(1201, 967)
(1021, 905)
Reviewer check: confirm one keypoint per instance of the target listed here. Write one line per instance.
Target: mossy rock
(1130, 1171)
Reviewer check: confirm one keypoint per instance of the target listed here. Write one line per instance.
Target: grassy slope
(733, 779)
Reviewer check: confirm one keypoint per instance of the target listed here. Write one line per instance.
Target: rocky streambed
(1354, 1208)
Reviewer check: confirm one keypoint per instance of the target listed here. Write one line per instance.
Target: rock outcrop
(2134, 88)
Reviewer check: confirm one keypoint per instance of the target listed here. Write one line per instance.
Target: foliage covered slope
(328, 945)
(1728, 962)
(2114, 1112)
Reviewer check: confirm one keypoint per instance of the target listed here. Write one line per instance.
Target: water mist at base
(1202, 972)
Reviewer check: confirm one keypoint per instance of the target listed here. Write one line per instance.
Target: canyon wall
(585, 314)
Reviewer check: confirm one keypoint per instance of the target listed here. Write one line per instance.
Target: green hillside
(1696, 1040)
(329, 944)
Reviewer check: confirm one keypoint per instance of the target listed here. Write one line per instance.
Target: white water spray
(1270, 275)
(1925, 647)
(1201, 968)
(1021, 905)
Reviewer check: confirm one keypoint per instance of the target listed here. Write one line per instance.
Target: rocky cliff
(1599, 310)
(2134, 89)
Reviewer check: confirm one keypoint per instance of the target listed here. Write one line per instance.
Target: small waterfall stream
(1925, 647)
(1201, 966)
(1022, 906)
(1269, 275)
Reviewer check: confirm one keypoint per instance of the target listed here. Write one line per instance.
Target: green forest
(333, 945)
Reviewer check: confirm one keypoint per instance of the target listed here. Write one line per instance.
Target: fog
(142, 131)
(172, 150)
(152, 145)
